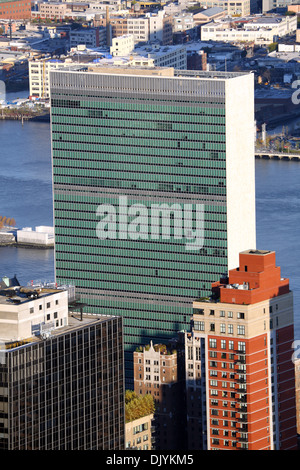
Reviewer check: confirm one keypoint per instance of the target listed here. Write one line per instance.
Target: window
(31, 310)
(223, 344)
(222, 328)
(48, 304)
(240, 329)
(241, 315)
(212, 343)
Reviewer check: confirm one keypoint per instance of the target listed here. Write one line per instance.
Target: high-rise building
(61, 373)
(239, 360)
(153, 183)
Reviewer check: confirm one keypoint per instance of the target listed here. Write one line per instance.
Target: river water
(26, 195)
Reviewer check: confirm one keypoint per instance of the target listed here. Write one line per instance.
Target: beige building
(26, 311)
(51, 10)
(235, 7)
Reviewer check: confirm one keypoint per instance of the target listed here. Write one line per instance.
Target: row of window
(214, 343)
(223, 328)
(48, 305)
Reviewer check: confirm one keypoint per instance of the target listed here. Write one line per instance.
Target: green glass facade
(151, 144)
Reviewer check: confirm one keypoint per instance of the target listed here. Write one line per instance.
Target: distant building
(41, 236)
(234, 7)
(260, 30)
(153, 27)
(208, 15)
(268, 5)
(89, 37)
(15, 10)
(46, 339)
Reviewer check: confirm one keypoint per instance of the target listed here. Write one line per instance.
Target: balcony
(242, 419)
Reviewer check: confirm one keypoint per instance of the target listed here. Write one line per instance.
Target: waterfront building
(122, 52)
(263, 30)
(170, 155)
(61, 372)
(239, 360)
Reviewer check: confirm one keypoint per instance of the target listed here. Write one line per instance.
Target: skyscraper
(153, 182)
(239, 365)
(61, 375)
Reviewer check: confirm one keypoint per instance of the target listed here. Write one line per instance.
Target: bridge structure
(277, 156)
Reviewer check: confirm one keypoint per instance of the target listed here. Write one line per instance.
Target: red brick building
(17, 10)
(246, 331)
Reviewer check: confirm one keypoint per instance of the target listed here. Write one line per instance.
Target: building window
(212, 343)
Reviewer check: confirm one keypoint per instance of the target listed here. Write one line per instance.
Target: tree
(137, 406)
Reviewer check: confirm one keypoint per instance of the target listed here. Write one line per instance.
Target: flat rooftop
(18, 294)
(156, 71)
(75, 322)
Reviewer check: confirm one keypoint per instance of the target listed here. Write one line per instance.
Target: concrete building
(268, 5)
(208, 15)
(15, 10)
(245, 378)
(122, 46)
(39, 71)
(52, 10)
(41, 236)
(89, 37)
(261, 30)
(47, 339)
(148, 27)
(232, 8)
(162, 155)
